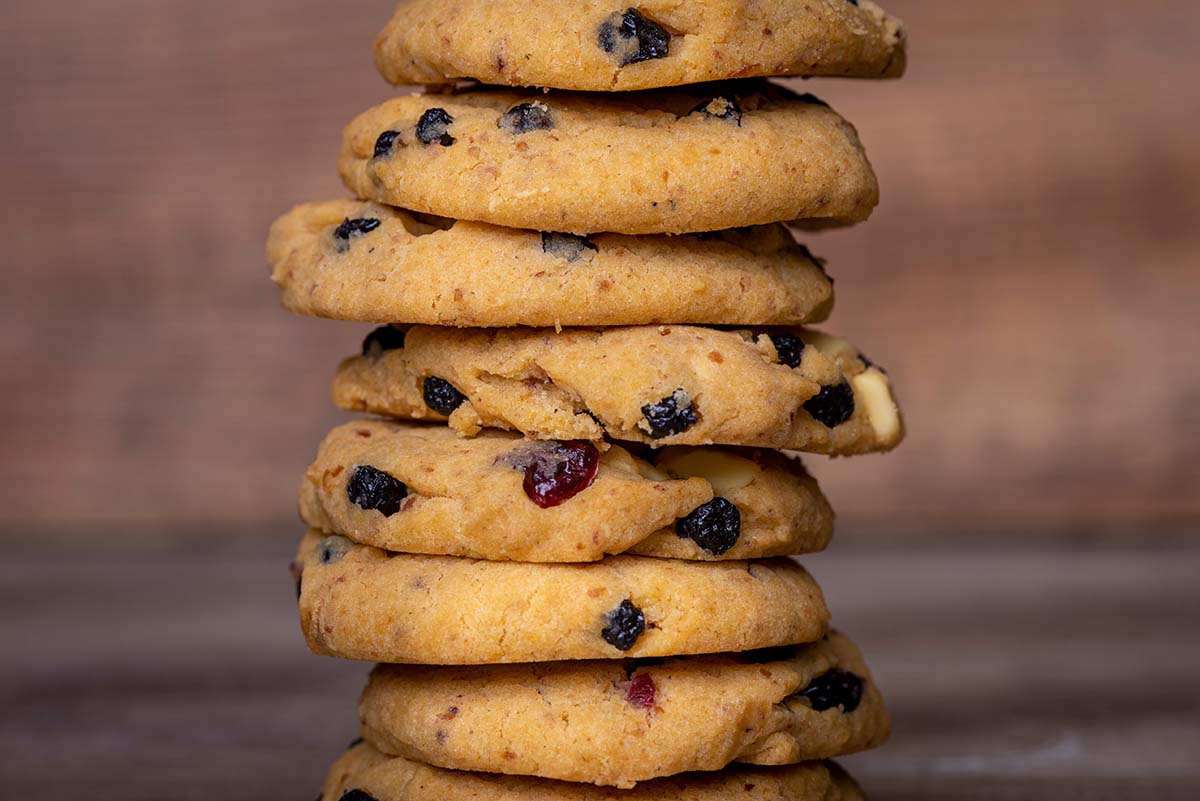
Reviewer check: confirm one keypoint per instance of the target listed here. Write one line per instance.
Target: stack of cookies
(565, 537)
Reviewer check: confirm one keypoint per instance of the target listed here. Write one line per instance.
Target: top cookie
(704, 158)
(607, 45)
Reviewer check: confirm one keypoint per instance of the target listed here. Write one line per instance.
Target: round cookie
(617, 724)
(364, 774)
(359, 602)
(606, 45)
(661, 385)
(355, 260)
(413, 488)
(704, 159)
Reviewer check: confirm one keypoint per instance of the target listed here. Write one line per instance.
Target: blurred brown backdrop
(1031, 280)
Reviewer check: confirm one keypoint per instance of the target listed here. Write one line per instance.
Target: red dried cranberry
(561, 472)
(835, 688)
(641, 692)
(833, 405)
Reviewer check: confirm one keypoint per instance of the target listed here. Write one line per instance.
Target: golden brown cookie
(356, 260)
(605, 45)
(414, 488)
(614, 723)
(359, 602)
(703, 159)
(662, 385)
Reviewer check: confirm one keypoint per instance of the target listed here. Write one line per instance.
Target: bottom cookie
(364, 774)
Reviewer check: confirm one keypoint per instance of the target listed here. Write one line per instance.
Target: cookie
(614, 723)
(664, 385)
(413, 488)
(360, 602)
(364, 774)
(605, 45)
(354, 260)
(705, 159)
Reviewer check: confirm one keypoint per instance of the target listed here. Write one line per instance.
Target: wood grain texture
(1016, 673)
(1030, 280)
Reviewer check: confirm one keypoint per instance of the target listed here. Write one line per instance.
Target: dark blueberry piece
(382, 339)
(526, 117)
(561, 472)
(370, 488)
(332, 549)
(835, 688)
(631, 38)
(641, 692)
(788, 347)
(357, 795)
(385, 142)
(432, 127)
(566, 246)
(714, 526)
(833, 405)
(623, 626)
(671, 415)
(351, 228)
(441, 396)
(721, 108)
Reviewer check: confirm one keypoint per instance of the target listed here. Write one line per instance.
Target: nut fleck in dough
(613, 723)
(600, 45)
(662, 385)
(359, 602)
(465, 497)
(407, 268)
(642, 163)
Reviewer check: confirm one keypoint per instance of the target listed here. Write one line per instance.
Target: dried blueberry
(721, 108)
(432, 127)
(371, 488)
(441, 396)
(835, 688)
(641, 692)
(526, 117)
(566, 246)
(714, 526)
(623, 626)
(833, 405)
(357, 795)
(789, 348)
(351, 228)
(332, 549)
(385, 143)
(558, 473)
(671, 415)
(631, 38)
(382, 339)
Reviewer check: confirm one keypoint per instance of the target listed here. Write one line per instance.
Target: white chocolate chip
(724, 471)
(830, 346)
(872, 388)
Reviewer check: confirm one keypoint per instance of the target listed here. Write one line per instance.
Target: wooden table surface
(178, 672)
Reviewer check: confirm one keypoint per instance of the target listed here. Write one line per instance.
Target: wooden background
(1031, 279)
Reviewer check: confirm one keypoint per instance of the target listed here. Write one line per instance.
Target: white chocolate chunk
(872, 388)
(726, 472)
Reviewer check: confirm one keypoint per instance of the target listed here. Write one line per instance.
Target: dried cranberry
(721, 108)
(835, 688)
(370, 488)
(351, 228)
(526, 117)
(382, 339)
(641, 692)
(623, 626)
(385, 143)
(357, 795)
(714, 526)
(788, 347)
(441, 396)
(833, 405)
(433, 127)
(631, 38)
(561, 472)
(566, 246)
(671, 415)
